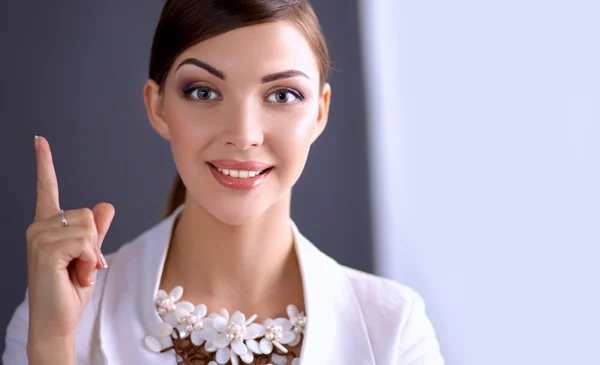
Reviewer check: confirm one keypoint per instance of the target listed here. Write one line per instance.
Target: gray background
(73, 71)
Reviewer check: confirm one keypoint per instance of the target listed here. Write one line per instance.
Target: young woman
(239, 89)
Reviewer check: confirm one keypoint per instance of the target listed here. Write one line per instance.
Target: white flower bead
(171, 319)
(176, 293)
(286, 337)
(222, 340)
(237, 326)
(266, 346)
(182, 332)
(209, 346)
(220, 323)
(292, 311)
(296, 341)
(166, 305)
(253, 346)
(186, 306)
(197, 338)
(280, 347)
(192, 323)
(208, 334)
(297, 318)
(253, 331)
(239, 348)
(248, 358)
(200, 310)
(164, 330)
(278, 359)
(223, 355)
(284, 323)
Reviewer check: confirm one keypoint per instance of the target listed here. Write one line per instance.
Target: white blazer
(353, 317)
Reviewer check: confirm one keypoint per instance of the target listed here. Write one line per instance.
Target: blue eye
(285, 96)
(201, 93)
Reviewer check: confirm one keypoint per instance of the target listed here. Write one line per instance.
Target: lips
(240, 165)
(239, 175)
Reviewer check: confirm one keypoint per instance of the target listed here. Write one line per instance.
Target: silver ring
(64, 220)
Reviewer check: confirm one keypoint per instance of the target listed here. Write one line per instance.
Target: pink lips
(240, 165)
(239, 183)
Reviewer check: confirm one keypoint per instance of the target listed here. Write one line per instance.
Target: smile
(239, 174)
(240, 179)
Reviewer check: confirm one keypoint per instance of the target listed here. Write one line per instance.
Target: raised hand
(61, 260)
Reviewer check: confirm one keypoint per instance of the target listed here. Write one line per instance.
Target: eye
(201, 93)
(285, 96)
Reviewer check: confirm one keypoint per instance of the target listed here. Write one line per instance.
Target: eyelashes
(201, 93)
(279, 96)
(285, 93)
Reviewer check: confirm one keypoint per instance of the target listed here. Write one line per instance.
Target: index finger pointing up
(47, 185)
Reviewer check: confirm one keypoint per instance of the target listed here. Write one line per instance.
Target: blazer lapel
(128, 313)
(335, 332)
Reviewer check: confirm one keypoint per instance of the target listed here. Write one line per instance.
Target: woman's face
(235, 105)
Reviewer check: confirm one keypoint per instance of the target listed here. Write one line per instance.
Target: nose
(243, 128)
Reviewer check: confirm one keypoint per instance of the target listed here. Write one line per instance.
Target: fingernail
(103, 261)
(36, 142)
(92, 278)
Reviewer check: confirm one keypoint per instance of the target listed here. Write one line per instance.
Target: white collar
(335, 330)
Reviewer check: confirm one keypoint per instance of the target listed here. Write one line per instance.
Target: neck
(237, 264)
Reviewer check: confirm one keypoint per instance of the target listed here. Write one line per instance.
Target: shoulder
(395, 318)
(384, 302)
(391, 293)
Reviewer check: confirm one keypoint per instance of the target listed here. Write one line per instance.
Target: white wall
(484, 137)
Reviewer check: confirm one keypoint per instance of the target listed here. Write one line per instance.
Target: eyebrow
(268, 78)
(204, 65)
(283, 75)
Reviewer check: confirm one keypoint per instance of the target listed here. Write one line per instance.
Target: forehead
(257, 50)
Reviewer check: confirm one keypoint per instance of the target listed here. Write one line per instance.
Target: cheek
(299, 123)
(190, 131)
(293, 135)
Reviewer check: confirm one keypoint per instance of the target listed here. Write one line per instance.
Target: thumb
(103, 216)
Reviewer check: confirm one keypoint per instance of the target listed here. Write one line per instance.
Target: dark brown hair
(184, 23)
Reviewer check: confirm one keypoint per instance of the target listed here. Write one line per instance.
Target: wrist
(51, 351)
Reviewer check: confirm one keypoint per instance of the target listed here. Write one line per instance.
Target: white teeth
(240, 174)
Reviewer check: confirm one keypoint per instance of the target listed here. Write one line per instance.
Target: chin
(236, 216)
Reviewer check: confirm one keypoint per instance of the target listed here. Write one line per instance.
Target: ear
(324, 101)
(155, 109)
